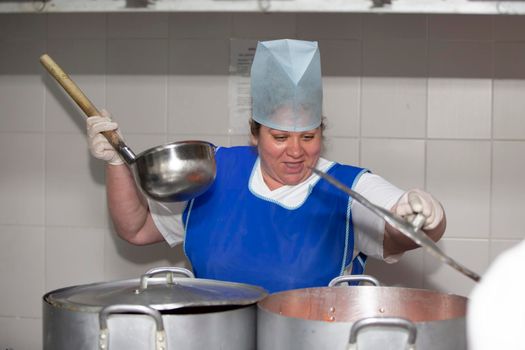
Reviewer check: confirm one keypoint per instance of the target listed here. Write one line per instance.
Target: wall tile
(508, 190)
(21, 333)
(459, 175)
(200, 25)
(22, 267)
(459, 108)
(393, 107)
(137, 83)
(137, 25)
(239, 140)
(460, 27)
(198, 105)
(21, 91)
(21, 96)
(79, 56)
(509, 109)
(75, 187)
(138, 103)
(264, 26)
(395, 58)
(22, 26)
(498, 247)
(81, 248)
(473, 254)
(20, 56)
(402, 162)
(509, 28)
(199, 57)
(76, 25)
(466, 59)
(137, 56)
(509, 60)
(123, 260)
(342, 150)
(85, 61)
(407, 26)
(407, 272)
(315, 26)
(341, 105)
(21, 179)
(340, 58)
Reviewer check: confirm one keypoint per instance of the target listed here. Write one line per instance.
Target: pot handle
(353, 278)
(160, 335)
(383, 321)
(170, 271)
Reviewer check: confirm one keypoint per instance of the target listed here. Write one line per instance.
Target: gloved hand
(417, 201)
(98, 144)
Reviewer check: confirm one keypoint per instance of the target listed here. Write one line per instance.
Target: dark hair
(255, 127)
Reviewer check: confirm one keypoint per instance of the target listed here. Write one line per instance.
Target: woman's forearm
(128, 207)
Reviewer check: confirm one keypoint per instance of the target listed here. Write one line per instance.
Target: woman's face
(286, 157)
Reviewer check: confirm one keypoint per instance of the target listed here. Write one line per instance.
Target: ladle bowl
(177, 171)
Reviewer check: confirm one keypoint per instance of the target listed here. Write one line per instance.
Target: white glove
(417, 201)
(98, 144)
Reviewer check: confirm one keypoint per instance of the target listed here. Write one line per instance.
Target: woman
(268, 220)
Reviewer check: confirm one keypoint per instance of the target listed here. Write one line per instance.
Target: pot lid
(162, 293)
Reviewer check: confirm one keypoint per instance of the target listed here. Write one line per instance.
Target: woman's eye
(279, 138)
(308, 137)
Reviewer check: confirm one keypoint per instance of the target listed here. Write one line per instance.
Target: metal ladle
(410, 230)
(174, 172)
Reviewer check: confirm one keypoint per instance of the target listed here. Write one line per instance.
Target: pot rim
(180, 293)
(351, 303)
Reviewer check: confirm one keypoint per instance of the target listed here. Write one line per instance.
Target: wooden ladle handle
(69, 86)
(84, 103)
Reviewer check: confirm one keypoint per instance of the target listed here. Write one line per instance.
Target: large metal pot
(363, 317)
(152, 312)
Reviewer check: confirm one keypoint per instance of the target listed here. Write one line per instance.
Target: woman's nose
(295, 149)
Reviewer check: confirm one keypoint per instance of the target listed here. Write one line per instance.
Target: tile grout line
(44, 163)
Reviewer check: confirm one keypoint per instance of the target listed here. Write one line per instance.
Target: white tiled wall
(435, 102)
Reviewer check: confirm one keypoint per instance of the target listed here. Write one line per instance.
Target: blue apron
(234, 235)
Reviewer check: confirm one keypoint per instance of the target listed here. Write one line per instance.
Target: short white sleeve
(369, 229)
(168, 219)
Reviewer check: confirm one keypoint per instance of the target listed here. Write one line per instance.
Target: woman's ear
(254, 140)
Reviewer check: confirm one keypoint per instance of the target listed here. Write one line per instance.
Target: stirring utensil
(174, 172)
(411, 230)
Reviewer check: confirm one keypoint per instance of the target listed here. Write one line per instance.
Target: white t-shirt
(368, 227)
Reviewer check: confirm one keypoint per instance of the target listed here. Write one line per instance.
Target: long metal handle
(85, 105)
(401, 225)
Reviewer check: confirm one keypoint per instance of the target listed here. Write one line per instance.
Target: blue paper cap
(286, 85)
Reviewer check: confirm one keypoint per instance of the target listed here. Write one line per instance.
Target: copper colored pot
(365, 317)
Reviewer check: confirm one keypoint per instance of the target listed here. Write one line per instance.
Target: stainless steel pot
(173, 172)
(152, 312)
(363, 317)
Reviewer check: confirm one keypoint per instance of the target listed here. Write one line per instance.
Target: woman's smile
(294, 167)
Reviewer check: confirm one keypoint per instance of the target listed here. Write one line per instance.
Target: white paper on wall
(241, 57)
